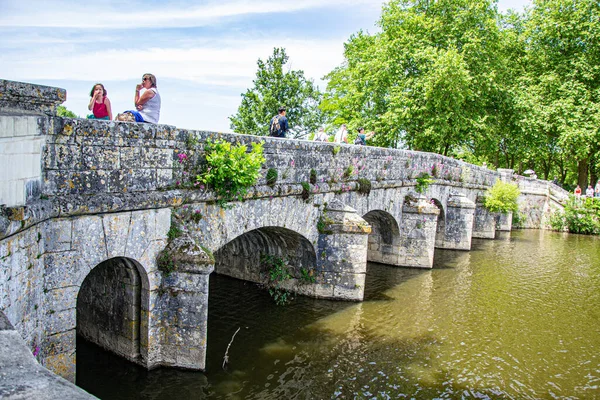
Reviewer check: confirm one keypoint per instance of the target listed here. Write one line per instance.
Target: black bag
(275, 129)
(359, 141)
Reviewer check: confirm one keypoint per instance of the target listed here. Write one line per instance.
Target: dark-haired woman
(99, 103)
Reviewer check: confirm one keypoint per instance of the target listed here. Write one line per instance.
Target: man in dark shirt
(283, 124)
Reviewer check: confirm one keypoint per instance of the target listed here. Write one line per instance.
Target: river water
(516, 317)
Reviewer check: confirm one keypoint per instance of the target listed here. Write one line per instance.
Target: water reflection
(513, 318)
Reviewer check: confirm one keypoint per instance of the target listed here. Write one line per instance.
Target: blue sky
(202, 52)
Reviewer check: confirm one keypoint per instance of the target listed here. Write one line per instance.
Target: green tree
(563, 81)
(428, 79)
(62, 111)
(277, 86)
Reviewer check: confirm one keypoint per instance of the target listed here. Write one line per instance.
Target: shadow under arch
(384, 239)
(440, 230)
(241, 257)
(113, 308)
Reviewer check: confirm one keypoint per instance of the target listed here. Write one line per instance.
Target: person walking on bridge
(279, 124)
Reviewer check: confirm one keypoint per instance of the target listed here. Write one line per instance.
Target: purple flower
(182, 157)
(36, 351)
(292, 163)
(178, 183)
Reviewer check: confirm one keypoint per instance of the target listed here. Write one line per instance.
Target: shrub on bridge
(502, 197)
(231, 170)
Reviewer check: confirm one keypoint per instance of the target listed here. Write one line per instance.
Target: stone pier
(458, 226)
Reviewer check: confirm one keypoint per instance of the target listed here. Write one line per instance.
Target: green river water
(517, 317)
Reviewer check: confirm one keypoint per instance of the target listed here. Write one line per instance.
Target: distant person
(597, 189)
(146, 100)
(589, 192)
(321, 136)
(362, 138)
(99, 103)
(578, 192)
(341, 136)
(279, 124)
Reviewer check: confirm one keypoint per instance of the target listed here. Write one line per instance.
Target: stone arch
(240, 257)
(440, 230)
(112, 308)
(384, 239)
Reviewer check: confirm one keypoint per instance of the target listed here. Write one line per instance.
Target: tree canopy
(458, 78)
(276, 86)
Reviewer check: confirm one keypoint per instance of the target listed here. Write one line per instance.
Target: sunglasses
(145, 79)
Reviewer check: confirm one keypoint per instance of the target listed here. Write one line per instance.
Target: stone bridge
(89, 206)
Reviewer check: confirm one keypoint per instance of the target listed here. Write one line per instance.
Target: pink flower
(36, 351)
(292, 163)
(182, 157)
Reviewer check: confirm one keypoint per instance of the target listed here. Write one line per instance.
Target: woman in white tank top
(147, 99)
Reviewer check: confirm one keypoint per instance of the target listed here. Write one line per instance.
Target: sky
(202, 52)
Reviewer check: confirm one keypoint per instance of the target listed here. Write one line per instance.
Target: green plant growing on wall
(174, 231)
(191, 141)
(277, 272)
(272, 177)
(305, 190)
(518, 219)
(348, 171)
(423, 182)
(336, 150)
(196, 216)
(502, 197)
(231, 170)
(322, 223)
(313, 176)
(364, 186)
(307, 276)
(165, 262)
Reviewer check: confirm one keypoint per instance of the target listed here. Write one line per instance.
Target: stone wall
(538, 200)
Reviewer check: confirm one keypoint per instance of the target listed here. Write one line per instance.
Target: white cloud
(222, 63)
(67, 14)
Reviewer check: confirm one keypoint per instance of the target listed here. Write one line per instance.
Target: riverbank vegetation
(456, 77)
(580, 215)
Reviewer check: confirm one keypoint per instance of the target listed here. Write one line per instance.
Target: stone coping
(22, 377)
(20, 98)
